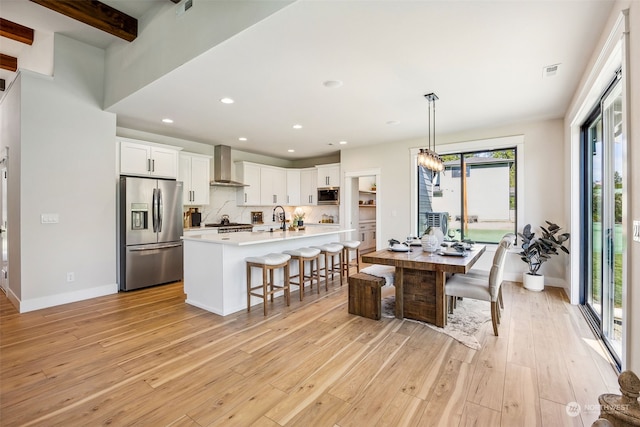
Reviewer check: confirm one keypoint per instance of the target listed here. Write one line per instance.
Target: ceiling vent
(550, 70)
(183, 6)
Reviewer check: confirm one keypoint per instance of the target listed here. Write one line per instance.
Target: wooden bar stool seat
(347, 247)
(268, 263)
(330, 267)
(302, 255)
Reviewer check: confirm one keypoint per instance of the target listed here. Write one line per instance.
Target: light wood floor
(146, 358)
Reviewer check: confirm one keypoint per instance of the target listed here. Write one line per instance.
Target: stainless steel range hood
(222, 168)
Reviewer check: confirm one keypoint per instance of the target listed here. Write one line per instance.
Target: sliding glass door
(603, 208)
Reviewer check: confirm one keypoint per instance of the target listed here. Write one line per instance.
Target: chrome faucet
(283, 226)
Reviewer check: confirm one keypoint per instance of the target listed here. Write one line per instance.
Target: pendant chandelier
(427, 157)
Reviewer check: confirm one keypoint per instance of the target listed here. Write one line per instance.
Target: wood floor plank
(555, 414)
(324, 411)
(477, 415)
(400, 411)
(521, 401)
(447, 402)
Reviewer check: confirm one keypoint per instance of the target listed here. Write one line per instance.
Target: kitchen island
(215, 270)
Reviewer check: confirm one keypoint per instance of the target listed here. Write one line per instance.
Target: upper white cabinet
(273, 186)
(249, 174)
(194, 172)
(328, 175)
(141, 159)
(309, 186)
(293, 187)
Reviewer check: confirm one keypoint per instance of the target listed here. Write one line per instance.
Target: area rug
(462, 325)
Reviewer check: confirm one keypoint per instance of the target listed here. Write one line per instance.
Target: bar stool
(330, 250)
(268, 263)
(302, 255)
(348, 246)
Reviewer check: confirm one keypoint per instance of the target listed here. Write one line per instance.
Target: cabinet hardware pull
(153, 165)
(245, 197)
(148, 165)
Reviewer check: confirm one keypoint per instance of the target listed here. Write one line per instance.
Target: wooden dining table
(420, 277)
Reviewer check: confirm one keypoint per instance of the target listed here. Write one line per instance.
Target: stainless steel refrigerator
(150, 230)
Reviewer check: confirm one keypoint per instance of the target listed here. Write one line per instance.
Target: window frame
(508, 142)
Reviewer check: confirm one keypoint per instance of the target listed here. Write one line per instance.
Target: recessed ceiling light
(167, 120)
(393, 122)
(297, 126)
(242, 138)
(227, 101)
(342, 142)
(332, 83)
(291, 150)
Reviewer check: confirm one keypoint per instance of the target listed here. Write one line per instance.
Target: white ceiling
(484, 59)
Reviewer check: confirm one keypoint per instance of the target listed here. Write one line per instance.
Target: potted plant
(536, 251)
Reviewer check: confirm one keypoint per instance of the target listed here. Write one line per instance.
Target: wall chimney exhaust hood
(222, 168)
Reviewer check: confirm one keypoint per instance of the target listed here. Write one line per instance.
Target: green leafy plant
(536, 251)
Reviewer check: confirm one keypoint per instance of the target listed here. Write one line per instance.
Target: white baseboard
(25, 306)
(515, 276)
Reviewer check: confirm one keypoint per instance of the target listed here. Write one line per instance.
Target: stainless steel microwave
(329, 196)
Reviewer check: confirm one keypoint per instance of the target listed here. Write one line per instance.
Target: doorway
(4, 264)
(362, 203)
(603, 251)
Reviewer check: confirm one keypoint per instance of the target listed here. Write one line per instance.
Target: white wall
(541, 198)
(166, 41)
(67, 167)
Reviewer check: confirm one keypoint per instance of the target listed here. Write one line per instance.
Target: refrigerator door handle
(154, 210)
(174, 245)
(160, 210)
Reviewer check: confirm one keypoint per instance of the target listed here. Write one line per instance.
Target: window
(478, 205)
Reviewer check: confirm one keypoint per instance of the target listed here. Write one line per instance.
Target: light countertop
(260, 237)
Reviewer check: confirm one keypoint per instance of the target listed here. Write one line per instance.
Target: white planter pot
(533, 283)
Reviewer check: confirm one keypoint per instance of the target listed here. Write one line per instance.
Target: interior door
(4, 272)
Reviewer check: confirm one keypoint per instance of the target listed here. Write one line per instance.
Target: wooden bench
(365, 295)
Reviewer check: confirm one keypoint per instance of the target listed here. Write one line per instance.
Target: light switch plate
(636, 231)
(49, 218)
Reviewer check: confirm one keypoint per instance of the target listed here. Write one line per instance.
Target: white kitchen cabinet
(273, 185)
(293, 187)
(249, 174)
(142, 159)
(194, 172)
(197, 231)
(309, 187)
(367, 235)
(328, 175)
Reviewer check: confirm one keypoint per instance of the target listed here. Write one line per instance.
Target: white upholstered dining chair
(464, 286)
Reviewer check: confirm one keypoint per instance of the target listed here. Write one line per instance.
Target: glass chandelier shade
(427, 157)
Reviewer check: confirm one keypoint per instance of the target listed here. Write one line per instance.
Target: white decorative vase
(430, 243)
(533, 283)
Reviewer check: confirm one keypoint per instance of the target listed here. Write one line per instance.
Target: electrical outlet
(71, 276)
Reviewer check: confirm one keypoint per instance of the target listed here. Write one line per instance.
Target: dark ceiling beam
(16, 32)
(8, 62)
(97, 15)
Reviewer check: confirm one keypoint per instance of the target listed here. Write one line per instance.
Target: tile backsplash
(223, 202)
